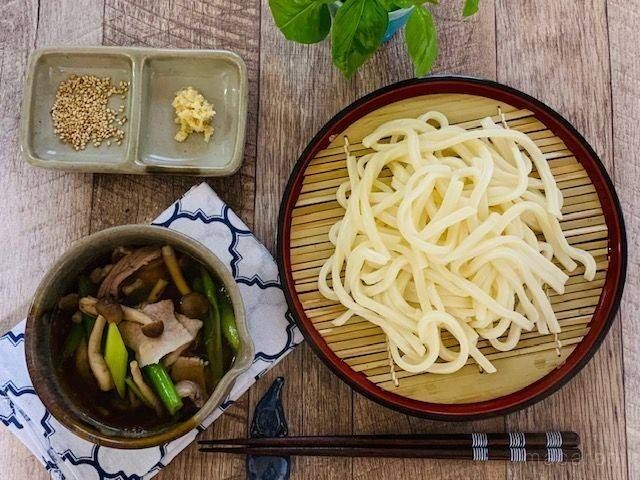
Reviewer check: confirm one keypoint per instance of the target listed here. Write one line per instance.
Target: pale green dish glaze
(149, 147)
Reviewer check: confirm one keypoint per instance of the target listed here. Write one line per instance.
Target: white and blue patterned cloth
(203, 216)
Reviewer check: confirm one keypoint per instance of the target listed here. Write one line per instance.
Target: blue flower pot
(397, 19)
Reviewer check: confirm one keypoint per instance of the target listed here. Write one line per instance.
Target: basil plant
(358, 27)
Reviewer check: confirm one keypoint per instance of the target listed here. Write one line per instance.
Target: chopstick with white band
(551, 450)
(513, 446)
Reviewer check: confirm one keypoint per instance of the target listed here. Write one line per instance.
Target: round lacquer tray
(357, 351)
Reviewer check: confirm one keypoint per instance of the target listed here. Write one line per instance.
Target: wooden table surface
(579, 56)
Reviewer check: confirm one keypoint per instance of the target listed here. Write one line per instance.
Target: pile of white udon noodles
(438, 240)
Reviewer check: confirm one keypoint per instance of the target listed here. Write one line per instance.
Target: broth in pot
(144, 337)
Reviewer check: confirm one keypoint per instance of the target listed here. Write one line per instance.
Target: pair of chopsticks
(514, 446)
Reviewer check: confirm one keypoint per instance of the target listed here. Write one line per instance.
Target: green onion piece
(227, 317)
(209, 287)
(87, 323)
(72, 342)
(136, 391)
(116, 357)
(228, 321)
(212, 336)
(212, 329)
(198, 286)
(163, 386)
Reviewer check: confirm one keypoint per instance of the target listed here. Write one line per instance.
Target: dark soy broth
(108, 407)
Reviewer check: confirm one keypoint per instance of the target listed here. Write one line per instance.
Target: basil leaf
(470, 7)
(303, 21)
(421, 38)
(392, 5)
(358, 29)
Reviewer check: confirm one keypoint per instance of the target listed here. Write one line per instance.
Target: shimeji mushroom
(133, 400)
(170, 260)
(150, 327)
(98, 274)
(82, 362)
(77, 317)
(157, 290)
(194, 305)
(153, 329)
(109, 309)
(96, 360)
(145, 389)
(191, 390)
(131, 288)
(68, 303)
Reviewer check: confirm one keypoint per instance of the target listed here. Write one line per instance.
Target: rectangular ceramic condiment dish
(155, 75)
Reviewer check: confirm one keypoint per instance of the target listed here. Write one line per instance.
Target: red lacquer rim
(611, 293)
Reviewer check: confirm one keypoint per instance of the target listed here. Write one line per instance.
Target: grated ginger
(193, 114)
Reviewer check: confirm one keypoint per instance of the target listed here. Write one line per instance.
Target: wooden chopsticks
(515, 446)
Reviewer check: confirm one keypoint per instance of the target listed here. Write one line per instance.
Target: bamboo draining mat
(363, 346)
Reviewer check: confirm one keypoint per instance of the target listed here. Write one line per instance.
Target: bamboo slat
(363, 345)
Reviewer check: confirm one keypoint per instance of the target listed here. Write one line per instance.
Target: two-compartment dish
(153, 78)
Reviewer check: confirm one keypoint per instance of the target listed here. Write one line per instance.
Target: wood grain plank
(33, 228)
(223, 24)
(624, 36)
(17, 459)
(70, 22)
(563, 44)
(558, 53)
(299, 91)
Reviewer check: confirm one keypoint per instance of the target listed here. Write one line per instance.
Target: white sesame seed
(80, 113)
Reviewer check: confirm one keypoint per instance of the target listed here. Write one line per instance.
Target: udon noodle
(447, 234)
